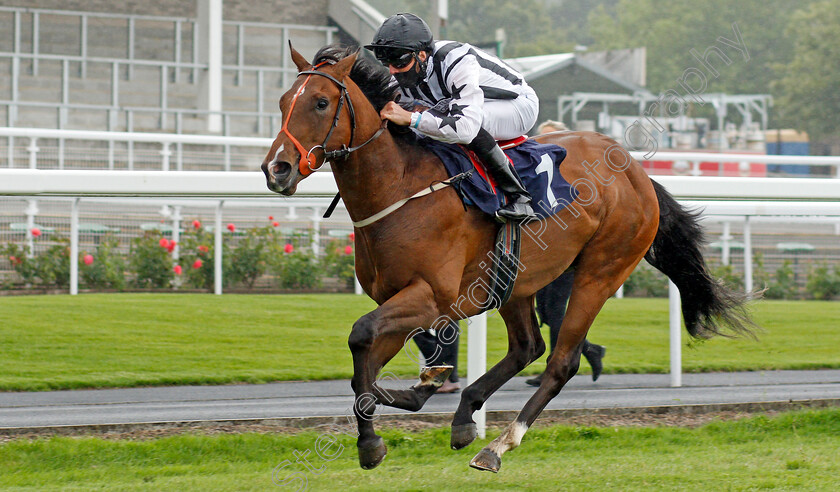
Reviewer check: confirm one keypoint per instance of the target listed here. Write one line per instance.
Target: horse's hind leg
(593, 285)
(525, 345)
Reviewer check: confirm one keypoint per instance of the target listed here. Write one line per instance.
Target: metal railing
(179, 26)
(179, 140)
(172, 66)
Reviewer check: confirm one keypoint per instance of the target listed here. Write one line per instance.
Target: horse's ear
(343, 67)
(299, 60)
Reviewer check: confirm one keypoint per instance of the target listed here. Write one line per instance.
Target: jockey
(458, 94)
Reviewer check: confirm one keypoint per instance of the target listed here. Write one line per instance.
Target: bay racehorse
(422, 261)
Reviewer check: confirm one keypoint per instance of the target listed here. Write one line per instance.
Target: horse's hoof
(463, 435)
(486, 460)
(434, 376)
(371, 456)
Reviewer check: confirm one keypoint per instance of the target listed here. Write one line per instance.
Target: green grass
(112, 340)
(794, 451)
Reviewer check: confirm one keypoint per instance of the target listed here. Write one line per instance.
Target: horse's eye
(322, 104)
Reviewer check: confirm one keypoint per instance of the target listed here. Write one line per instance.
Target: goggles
(397, 58)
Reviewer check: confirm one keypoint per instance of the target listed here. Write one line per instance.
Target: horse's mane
(371, 77)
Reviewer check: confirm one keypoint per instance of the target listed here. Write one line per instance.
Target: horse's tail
(707, 305)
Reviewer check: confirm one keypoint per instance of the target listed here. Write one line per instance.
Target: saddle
(537, 166)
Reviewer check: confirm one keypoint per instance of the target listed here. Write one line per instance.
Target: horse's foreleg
(525, 345)
(372, 338)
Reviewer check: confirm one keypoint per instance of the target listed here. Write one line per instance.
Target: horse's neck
(382, 173)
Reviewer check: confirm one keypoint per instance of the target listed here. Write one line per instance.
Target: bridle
(308, 162)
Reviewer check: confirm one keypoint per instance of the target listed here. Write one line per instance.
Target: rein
(308, 162)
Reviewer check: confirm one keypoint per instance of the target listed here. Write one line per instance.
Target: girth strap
(454, 180)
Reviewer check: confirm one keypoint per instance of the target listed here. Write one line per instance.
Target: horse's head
(317, 116)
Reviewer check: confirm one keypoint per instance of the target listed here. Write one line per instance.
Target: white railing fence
(173, 144)
(744, 197)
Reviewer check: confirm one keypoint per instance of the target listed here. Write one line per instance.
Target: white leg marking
(509, 439)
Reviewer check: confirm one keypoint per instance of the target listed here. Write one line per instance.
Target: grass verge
(123, 340)
(792, 451)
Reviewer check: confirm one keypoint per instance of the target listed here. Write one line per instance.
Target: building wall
(310, 12)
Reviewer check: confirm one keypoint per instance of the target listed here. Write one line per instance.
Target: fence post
(33, 153)
(676, 334)
(177, 77)
(164, 96)
(316, 231)
(10, 152)
(217, 253)
(176, 232)
(748, 266)
(74, 247)
(240, 53)
(36, 27)
(724, 248)
(165, 154)
(83, 49)
(129, 73)
(477, 363)
(31, 212)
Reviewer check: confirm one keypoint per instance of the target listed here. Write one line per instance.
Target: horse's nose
(276, 172)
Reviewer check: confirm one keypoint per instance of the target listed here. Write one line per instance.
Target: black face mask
(413, 76)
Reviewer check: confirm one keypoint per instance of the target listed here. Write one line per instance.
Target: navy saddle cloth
(535, 163)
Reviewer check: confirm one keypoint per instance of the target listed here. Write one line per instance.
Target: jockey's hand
(394, 113)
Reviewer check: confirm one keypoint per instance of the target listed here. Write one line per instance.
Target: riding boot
(494, 159)
(594, 353)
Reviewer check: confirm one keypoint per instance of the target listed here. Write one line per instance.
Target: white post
(619, 294)
(165, 154)
(176, 232)
(676, 339)
(358, 287)
(724, 239)
(33, 153)
(217, 255)
(748, 266)
(316, 231)
(31, 212)
(74, 247)
(477, 363)
(210, 53)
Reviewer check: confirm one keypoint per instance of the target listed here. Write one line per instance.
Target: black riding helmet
(402, 32)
